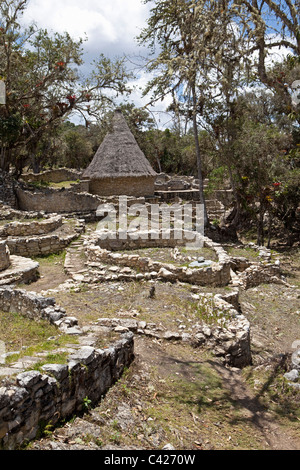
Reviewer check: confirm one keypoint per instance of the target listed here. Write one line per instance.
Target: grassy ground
(24, 337)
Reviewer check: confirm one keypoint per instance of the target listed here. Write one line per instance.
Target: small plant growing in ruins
(87, 403)
(90, 438)
(45, 429)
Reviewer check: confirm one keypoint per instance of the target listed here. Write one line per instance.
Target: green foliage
(87, 403)
(217, 177)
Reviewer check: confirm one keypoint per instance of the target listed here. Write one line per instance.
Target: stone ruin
(16, 269)
(46, 222)
(34, 234)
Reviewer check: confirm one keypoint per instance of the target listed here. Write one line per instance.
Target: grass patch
(170, 304)
(246, 252)
(53, 258)
(182, 401)
(62, 184)
(52, 358)
(29, 336)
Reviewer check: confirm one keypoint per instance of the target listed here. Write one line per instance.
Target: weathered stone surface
(85, 355)
(59, 371)
(4, 256)
(34, 227)
(60, 391)
(98, 250)
(20, 270)
(28, 379)
(293, 375)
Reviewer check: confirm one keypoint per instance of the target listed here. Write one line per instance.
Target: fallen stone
(293, 375)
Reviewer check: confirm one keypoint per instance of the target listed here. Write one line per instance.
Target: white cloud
(158, 109)
(109, 26)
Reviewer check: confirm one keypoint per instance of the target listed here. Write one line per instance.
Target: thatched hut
(119, 166)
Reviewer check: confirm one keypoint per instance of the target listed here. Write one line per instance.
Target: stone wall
(34, 398)
(57, 175)
(7, 189)
(58, 392)
(34, 227)
(26, 303)
(260, 274)
(217, 274)
(57, 201)
(227, 335)
(10, 214)
(45, 244)
(130, 186)
(174, 195)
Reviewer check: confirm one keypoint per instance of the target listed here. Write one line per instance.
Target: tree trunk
(269, 230)
(199, 161)
(5, 158)
(260, 225)
(158, 161)
(236, 219)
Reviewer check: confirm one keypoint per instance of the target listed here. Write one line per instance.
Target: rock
(293, 375)
(121, 329)
(206, 331)
(85, 355)
(165, 274)
(296, 359)
(168, 447)
(200, 338)
(124, 417)
(169, 335)
(59, 371)
(28, 379)
(55, 316)
(70, 321)
(297, 386)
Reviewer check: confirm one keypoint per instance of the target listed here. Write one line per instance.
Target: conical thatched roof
(119, 154)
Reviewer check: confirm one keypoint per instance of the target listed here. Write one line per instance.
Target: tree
(199, 42)
(43, 85)
(274, 24)
(78, 148)
(258, 149)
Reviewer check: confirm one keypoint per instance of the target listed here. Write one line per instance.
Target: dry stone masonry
(228, 336)
(40, 238)
(218, 274)
(57, 175)
(58, 392)
(33, 227)
(29, 400)
(15, 269)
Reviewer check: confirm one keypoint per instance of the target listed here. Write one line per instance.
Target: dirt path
(275, 436)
